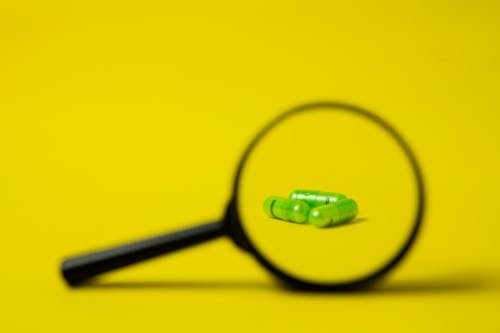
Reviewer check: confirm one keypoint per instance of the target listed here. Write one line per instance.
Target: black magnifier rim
(364, 281)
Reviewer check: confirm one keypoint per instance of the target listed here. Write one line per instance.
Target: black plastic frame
(242, 239)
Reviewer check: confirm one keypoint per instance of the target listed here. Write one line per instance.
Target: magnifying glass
(326, 146)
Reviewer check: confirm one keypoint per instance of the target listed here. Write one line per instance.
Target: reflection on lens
(335, 151)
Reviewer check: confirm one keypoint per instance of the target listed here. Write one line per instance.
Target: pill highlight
(316, 198)
(335, 213)
(286, 209)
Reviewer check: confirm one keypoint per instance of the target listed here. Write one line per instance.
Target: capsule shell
(335, 213)
(286, 209)
(316, 198)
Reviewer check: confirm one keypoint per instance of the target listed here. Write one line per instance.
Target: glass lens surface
(332, 150)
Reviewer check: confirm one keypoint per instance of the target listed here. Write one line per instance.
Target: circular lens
(331, 148)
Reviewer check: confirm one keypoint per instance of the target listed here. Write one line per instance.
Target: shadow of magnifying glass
(444, 283)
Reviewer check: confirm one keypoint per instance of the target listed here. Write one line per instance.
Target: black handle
(77, 270)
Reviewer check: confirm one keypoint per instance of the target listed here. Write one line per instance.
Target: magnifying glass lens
(333, 151)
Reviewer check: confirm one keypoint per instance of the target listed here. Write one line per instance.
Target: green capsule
(286, 209)
(316, 198)
(335, 213)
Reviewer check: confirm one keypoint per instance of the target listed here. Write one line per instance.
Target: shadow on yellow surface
(463, 282)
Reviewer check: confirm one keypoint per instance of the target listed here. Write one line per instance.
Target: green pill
(286, 209)
(316, 198)
(335, 213)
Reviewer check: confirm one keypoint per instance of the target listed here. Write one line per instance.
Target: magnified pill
(286, 209)
(335, 213)
(316, 198)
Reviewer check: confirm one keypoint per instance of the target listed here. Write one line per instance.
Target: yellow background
(114, 114)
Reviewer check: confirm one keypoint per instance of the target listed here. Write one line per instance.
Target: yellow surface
(113, 113)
